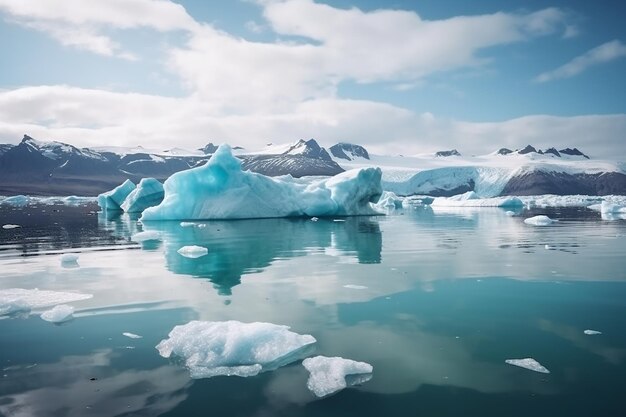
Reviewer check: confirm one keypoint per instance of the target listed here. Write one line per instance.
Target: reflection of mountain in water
(246, 246)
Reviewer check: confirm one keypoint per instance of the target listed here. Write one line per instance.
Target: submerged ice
(329, 375)
(234, 348)
(221, 190)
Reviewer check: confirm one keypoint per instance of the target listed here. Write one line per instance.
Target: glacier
(220, 189)
(233, 348)
(329, 375)
(471, 199)
(148, 193)
(113, 200)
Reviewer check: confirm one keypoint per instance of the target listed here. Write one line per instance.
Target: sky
(398, 77)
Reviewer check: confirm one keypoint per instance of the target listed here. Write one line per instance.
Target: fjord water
(435, 300)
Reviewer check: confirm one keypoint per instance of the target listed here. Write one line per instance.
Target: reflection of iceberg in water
(240, 247)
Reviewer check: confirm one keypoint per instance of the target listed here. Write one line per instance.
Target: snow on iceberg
(528, 363)
(148, 193)
(112, 200)
(540, 221)
(58, 314)
(18, 299)
(471, 199)
(193, 251)
(234, 348)
(329, 375)
(221, 190)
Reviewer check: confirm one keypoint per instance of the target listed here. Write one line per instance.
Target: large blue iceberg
(149, 193)
(112, 200)
(221, 190)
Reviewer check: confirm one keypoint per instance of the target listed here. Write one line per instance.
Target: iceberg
(149, 235)
(148, 193)
(193, 251)
(528, 363)
(234, 348)
(69, 259)
(471, 199)
(592, 332)
(221, 190)
(21, 300)
(329, 375)
(540, 221)
(58, 314)
(389, 200)
(16, 200)
(112, 200)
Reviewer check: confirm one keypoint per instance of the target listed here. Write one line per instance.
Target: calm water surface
(436, 302)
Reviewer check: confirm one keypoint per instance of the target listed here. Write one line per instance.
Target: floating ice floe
(314, 219)
(131, 335)
(234, 348)
(221, 190)
(471, 199)
(540, 221)
(528, 363)
(69, 259)
(510, 213)
(355, 287)
(329, 375)
(10, 226)
(591, 332)
(187, 224)
(145, 236)
(58, 314)
(193, 251)
(148, 193)
(16, 200)
(112, 200)
(18, 299)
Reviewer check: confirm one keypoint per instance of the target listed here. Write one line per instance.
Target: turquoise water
(436, 302)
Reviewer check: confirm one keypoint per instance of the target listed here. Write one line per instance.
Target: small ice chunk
(510, 213)
(187, 224)
(314, 219)
(329, 375)
(11, 226)
(212, 348)
(548, 247)
(193, 251)
(69, 259)
(146, 236)
(339, 220)
(355, 287)
(591, 332)
(539, 221)
(528, 363)
(18, 299)
(131, 335)
(59, 314)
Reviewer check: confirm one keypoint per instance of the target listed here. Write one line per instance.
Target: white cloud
(602, 54)
(93, 117)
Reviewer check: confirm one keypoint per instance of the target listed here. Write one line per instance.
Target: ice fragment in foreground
(591, 332)
(234, 348)
(11, 226)
(148, 193)
(18, 299)
(193, 251)
(112, 200)
(131, 335)
(329, 375)
(146, 236)
(58, 314)
(221, 190)
(540, 221)
(528, 363)
(69, 259)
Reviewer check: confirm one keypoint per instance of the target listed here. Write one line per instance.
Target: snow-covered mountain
(55, 168)
(348, 151)
(505, 172)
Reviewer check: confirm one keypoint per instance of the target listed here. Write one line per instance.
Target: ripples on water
(436, 301)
